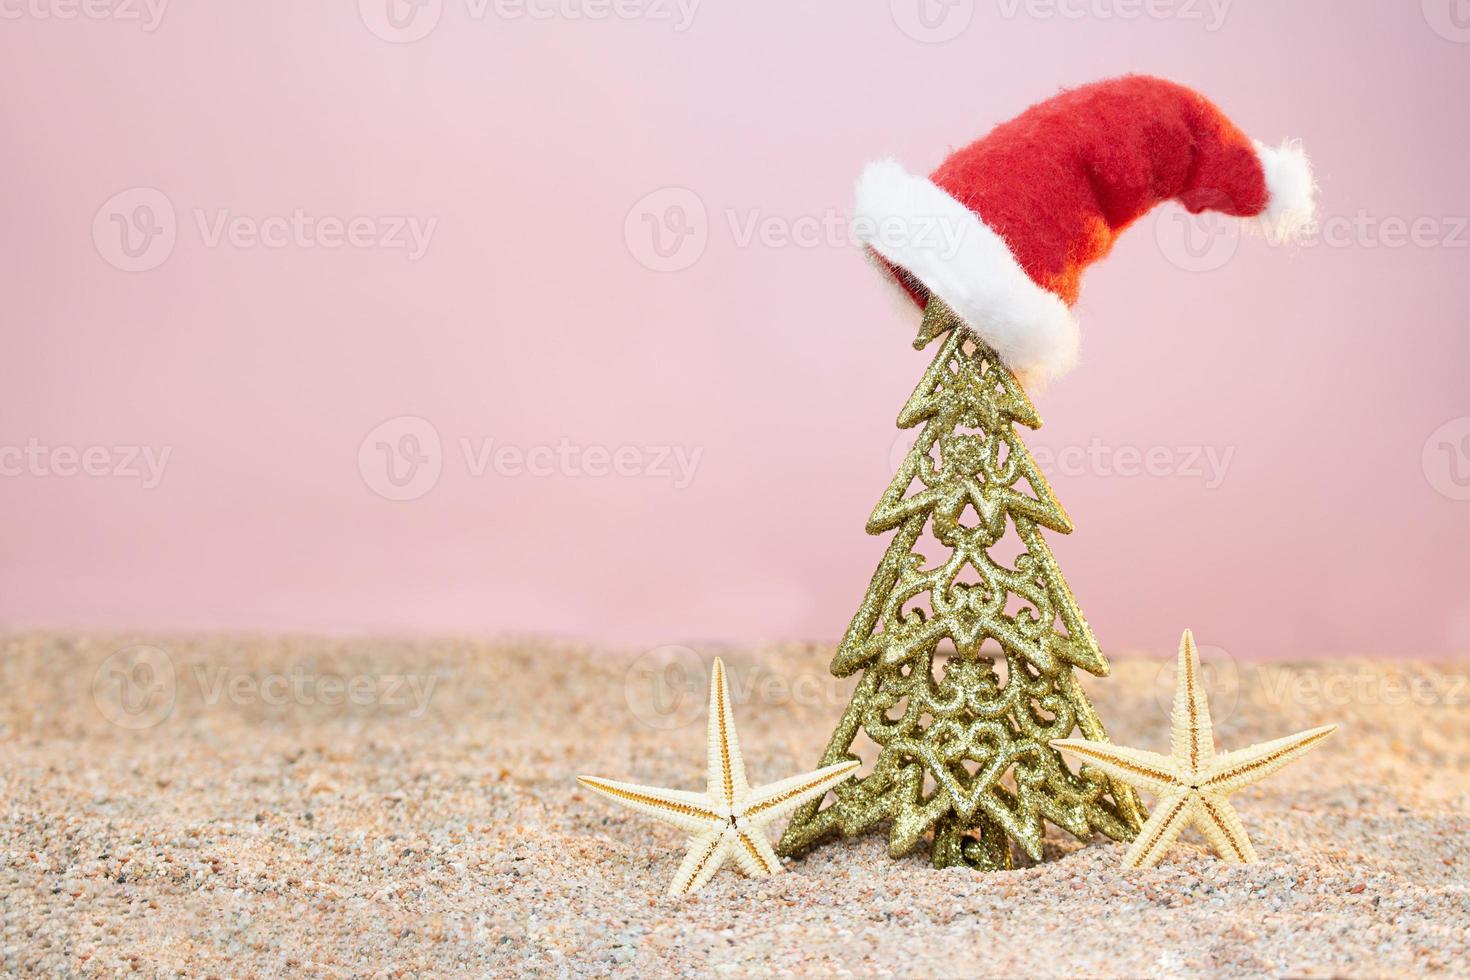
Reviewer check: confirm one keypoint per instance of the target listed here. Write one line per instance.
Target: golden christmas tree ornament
(728, 819)
(1193, 783)
(967, 661)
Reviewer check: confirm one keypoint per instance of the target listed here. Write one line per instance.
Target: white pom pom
(1291, 209)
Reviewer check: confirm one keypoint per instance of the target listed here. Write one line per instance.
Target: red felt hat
(1003, 229)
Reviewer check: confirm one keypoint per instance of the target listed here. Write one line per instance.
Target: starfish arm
(1236, 770)
(1218, 820)
(754, 854)
(1170, 816)
(1193, 734)
(726, 768)
(690, 812)
(707, 852)
(768, 802)
(1148, 771)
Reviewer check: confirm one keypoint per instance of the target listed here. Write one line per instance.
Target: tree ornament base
(955, 847)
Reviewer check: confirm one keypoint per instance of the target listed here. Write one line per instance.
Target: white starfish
(729, 818)
(1192, 783)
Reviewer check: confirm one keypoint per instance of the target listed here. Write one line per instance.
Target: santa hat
(1003, 229)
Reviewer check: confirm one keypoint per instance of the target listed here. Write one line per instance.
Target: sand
(379, 806)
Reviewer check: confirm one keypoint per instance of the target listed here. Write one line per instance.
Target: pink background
(1326, 370)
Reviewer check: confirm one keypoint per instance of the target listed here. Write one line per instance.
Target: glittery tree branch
(967, 661)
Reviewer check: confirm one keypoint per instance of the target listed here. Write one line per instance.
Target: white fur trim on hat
(920, 228)
(1291, 207)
